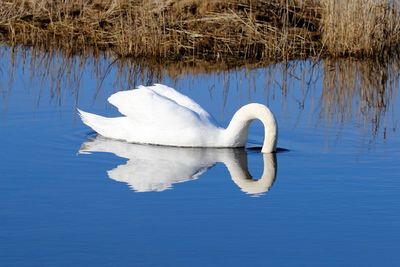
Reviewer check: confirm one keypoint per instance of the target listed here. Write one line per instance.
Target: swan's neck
(239, 125)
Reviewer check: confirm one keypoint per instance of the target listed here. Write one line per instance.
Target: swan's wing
(149, 109)
(179, 98)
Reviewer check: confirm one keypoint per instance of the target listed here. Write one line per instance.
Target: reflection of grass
(366, 90)
(215, 30)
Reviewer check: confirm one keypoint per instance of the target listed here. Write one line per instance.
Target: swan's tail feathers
(91, 120)
(84, 116)
(108, 127)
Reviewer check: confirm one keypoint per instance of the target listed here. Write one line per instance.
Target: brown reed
(213, 30)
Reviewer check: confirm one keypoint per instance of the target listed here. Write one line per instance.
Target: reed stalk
(211, 30)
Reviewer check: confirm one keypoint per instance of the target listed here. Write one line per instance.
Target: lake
(329, 197)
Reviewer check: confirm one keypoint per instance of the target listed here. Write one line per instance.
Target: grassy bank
(212, 30)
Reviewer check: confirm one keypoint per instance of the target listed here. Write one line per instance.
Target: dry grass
(163, 29)
(217, 30)
(359, 27)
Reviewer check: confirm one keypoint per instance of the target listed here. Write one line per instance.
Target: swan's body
(160, 115)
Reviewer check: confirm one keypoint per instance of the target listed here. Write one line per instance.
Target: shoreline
(211, 31)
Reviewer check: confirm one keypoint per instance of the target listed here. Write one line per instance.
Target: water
(332, 201)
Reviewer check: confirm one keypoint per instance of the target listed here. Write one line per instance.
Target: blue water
(334, 201)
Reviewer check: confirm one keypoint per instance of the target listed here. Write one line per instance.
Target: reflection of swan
(156, 168)
(160, 115)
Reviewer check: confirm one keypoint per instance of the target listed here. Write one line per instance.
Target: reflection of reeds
(366, 89)
(218, 30)
(59, 71)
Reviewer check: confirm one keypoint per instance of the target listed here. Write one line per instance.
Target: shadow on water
(157, 168)
(364, 91)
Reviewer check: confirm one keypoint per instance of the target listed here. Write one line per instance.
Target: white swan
(157, 168)
(160, 115)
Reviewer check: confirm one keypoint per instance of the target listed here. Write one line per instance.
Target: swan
(160, 115)
(157, 168)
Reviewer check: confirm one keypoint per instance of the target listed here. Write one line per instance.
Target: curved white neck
(238, 127)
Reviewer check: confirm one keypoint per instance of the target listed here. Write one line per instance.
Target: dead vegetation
(218, 30)
(360, 27)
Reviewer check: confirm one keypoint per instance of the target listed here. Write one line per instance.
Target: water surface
(332, 199)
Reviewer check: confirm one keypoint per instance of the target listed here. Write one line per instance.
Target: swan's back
(179, 98)
(160, 108)
(157, 115)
